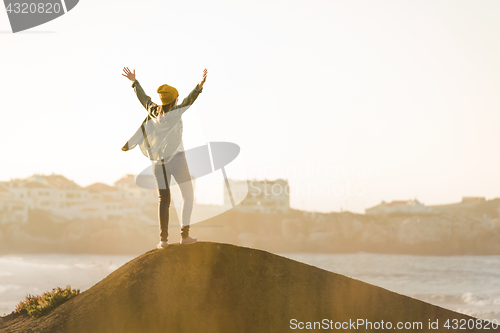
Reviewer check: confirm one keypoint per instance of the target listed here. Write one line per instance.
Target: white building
(132, 192)
(408, 206)
(467, 202)
(101, 191)
(63, 197)
(11, 208)
(103, 202)
(265, 196)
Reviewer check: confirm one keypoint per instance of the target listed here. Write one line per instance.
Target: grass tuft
(37, 306)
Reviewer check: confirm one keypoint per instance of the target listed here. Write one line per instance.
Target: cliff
(295, 231)
(212, 287)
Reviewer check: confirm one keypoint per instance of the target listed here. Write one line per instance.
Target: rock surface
(213, 287)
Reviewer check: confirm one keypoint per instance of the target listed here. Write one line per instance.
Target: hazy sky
(353, 102)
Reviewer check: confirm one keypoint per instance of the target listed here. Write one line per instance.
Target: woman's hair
(161, 109)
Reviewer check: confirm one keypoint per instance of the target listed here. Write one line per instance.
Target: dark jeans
(178, 168)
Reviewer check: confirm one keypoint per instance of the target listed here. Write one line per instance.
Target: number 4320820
(463, 324)
(32, 8)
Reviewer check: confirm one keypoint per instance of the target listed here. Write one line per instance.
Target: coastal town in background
(54, 214)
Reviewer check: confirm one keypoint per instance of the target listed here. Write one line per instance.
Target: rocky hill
(212, 287)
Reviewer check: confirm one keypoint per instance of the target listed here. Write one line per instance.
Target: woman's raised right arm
(139, 92)
(141, 95)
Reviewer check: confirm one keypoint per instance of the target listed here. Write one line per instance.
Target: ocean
(466, 284)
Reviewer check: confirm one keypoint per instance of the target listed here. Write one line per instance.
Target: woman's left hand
(202, 82)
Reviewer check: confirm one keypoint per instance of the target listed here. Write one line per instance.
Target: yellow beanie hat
(167, 93)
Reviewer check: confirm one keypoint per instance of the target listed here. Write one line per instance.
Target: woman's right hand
(128, 74)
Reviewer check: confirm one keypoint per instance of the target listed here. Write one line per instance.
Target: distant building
(404, 206)
(100, 191)
(474, 200)
(467, 202)
(263, 196)
(12, 209)
(63, 197)
(107, 202)
(131, 191)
